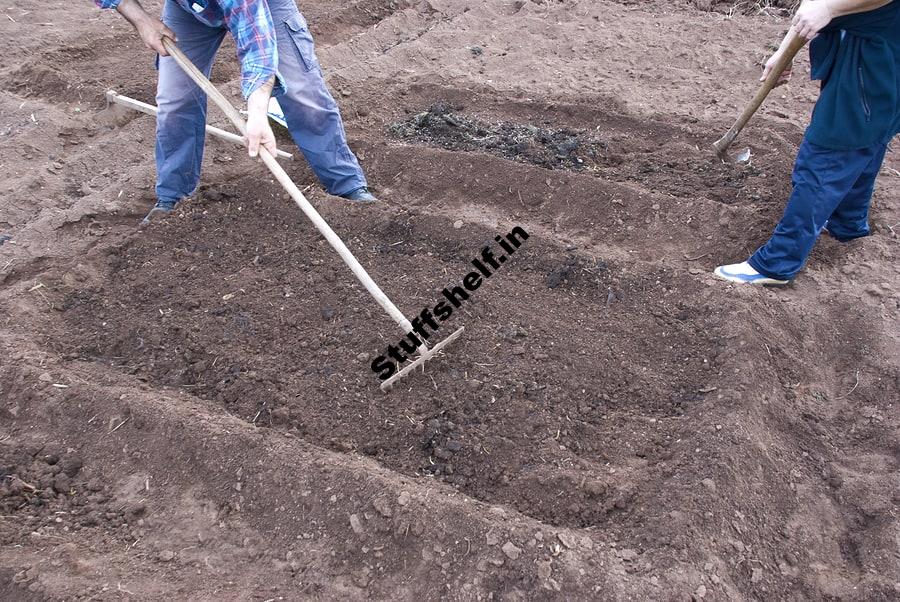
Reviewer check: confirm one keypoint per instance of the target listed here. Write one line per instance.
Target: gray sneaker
(159, 211)
(360, 195)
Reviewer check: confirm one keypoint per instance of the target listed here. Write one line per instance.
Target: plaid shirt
(250, 22)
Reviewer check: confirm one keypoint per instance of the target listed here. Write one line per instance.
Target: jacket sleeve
(871, 20)
(250, 22)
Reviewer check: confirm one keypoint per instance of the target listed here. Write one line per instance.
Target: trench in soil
(274, 331)
(553, 401)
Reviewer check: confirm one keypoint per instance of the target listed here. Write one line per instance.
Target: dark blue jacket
(857, 58)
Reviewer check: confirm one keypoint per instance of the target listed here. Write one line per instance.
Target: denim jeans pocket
(298, 31)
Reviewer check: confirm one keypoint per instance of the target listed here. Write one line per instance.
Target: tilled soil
(188, 411)
(553, 149)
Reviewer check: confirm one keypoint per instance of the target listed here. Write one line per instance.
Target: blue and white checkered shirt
(250, 22)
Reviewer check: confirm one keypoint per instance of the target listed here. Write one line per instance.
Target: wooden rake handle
(114, 97)
(285, 180)
(795, 43)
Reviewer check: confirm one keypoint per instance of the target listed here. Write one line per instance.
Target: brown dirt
(188, 412)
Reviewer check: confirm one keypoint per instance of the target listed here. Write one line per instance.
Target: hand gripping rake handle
(114, 97)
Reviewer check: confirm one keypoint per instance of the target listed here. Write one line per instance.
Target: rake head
(420, 361)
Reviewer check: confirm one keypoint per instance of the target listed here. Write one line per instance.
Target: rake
(321, 225)
(114, 97)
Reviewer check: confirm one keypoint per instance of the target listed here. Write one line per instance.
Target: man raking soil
(277, 60)
(251, 25)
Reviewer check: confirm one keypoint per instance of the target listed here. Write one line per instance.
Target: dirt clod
(166, 556)
(512, 552)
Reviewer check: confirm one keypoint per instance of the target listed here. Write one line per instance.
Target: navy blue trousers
(832, 191)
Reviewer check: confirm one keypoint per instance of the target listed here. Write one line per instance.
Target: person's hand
(770, 64)
(259, 132)
(150, 29)
(811, 17)
(152, 32)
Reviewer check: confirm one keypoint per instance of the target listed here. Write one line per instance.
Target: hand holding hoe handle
(795, 43)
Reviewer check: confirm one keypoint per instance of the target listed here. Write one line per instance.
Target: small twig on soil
(893, 171)
(120, 425)
(769, 351)
(123, 590)
(689, 258)
(46, 300)
(855, 385)
(28, 486)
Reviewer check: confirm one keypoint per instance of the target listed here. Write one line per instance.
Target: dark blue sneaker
(360, 195)
(159, 211)
(843, 239)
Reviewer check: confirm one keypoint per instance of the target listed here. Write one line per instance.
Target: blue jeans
(832, 191)
(310, 111)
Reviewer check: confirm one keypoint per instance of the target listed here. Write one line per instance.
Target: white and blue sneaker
(743, 273)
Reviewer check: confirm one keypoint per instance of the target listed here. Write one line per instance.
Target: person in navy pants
(855, 53)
